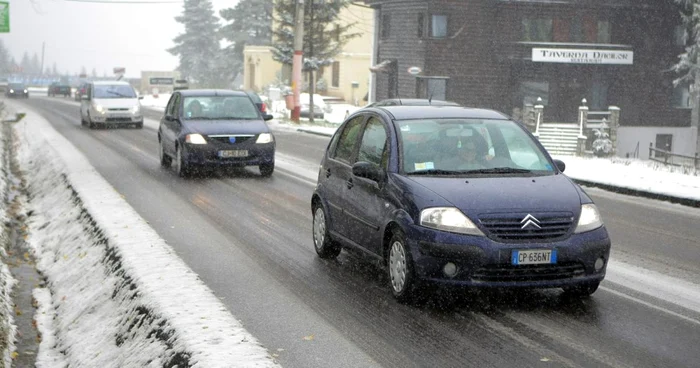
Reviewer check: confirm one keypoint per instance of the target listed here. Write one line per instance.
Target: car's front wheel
(165, 160)
(139, 125)
(581, 291)
(402, 277)
(181, 167)
(266, 170)
(325, 247)
(90, 124)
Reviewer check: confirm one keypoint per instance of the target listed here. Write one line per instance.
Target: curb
(314, 132)
(640, 193)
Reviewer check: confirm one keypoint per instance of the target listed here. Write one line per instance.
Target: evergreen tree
(36, 64)
(83, 71)
(248, 23)
(198, 47)
(6, 62)
(94, 73)
(324, 35)
(688, 65)
(25, 64)
(54, 70)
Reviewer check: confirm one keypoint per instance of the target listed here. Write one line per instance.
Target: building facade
(507, 54)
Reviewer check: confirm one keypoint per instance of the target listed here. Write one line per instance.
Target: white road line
(650, 305)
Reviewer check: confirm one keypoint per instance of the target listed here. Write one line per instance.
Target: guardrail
(673, 159)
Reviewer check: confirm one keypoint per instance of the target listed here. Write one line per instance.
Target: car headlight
(136, 109)
(12, 91)
(589, 220)
(448, 219)
(98, 108)
(25, 91)
(195, 139)
(264, 138)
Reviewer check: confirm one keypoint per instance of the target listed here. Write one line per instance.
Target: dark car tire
(581, 291)
(325, 246)
(90, 124)
(402, 278)
(139, 125)
(266, 170)
(181, 167)
(165, 160)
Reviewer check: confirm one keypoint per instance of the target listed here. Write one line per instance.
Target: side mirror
(560, 165)
(140, 97)
(368, 171)
(169, 117)
(268, 117)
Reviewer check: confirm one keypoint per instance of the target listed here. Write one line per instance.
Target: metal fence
(673, 159)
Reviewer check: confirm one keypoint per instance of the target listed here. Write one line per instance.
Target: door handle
(349, 183)
(328, 173)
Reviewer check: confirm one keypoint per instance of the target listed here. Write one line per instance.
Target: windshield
(113, 91)
(220, 108)
(449, 146)
(16, 85)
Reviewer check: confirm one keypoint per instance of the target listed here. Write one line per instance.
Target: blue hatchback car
(456, 196)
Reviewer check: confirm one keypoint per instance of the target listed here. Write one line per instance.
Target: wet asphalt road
(249, 239)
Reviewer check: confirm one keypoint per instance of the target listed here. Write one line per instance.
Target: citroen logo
(530, 221)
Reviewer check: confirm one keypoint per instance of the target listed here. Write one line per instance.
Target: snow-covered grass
(7, 327)
(153, 102)
(119, 296)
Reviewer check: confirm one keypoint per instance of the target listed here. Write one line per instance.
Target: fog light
(450, 269)
(599, 263)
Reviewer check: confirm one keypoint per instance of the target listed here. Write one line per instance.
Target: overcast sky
(97, 35)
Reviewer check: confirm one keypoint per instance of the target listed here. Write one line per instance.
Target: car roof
(440, 112)
(210, 92)
(109, 83)
(419, 102)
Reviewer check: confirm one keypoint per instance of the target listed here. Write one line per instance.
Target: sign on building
(4, 17)
(160, 81)
(582, 56)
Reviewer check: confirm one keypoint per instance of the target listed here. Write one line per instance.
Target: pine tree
(248, 23)
(36, 64)
(198, 47)
(5, 60)
(324, 35)
(94, 73)
(54, 70)
(688, 65)
(25, 64)
(83, 71)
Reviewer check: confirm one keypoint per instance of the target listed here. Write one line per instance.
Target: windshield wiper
(118, 94)
(436, 172)
(499, 170)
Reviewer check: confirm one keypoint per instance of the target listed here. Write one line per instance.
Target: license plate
(535, 256)
(233, 153)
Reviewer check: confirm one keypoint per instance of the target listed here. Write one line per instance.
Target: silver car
(110, 102)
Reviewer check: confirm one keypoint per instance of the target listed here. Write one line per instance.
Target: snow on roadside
(121, 296)
(156, 103)
(7, 282)
(646, 176)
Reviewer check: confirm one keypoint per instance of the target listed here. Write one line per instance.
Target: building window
(335, 74)
(537, 30)
(604, 34)
(680, 35)
(421, 25)
(432, 88)
(576, 30)
(438, 26)
(681, 96)
(385, 26)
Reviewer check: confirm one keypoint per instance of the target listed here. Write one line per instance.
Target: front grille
(510, 273)
(226, 139)
(118, 109)
(510, 228)
(115, 120)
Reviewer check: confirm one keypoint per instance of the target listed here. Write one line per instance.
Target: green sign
(4, 17)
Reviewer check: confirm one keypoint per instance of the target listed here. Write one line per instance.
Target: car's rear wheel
(165, 160)
(581, 291)
(139, 125)
(325, 247)
(402, 277)
(181, 167)
(266, 170)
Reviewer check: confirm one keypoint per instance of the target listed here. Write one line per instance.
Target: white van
(110, 102)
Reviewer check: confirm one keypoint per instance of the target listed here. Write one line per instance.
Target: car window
(113, 91)
(373, 146)
(462, 145)
(220, 108)
(348, 138)
(177, 104)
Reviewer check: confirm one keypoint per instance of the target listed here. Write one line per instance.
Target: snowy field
(7, 328)
(156, 103)
(114, 286)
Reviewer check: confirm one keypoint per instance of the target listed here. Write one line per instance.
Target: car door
(336, 172)
(365, 207)
(171, 124)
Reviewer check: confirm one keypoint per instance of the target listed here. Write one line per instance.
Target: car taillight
(263, 108)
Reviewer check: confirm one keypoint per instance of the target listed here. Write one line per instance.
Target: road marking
(650, 305)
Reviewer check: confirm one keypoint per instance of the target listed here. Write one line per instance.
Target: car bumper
(15, 94)
(484, 262)
(207, 155)
(115, 119)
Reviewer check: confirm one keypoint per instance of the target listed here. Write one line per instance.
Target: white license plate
(535, 256)
(233, 153)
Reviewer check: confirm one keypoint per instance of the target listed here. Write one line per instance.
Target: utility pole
(43, 47)
(298, 59)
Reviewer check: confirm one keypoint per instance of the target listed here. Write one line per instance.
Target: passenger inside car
(194, 110)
